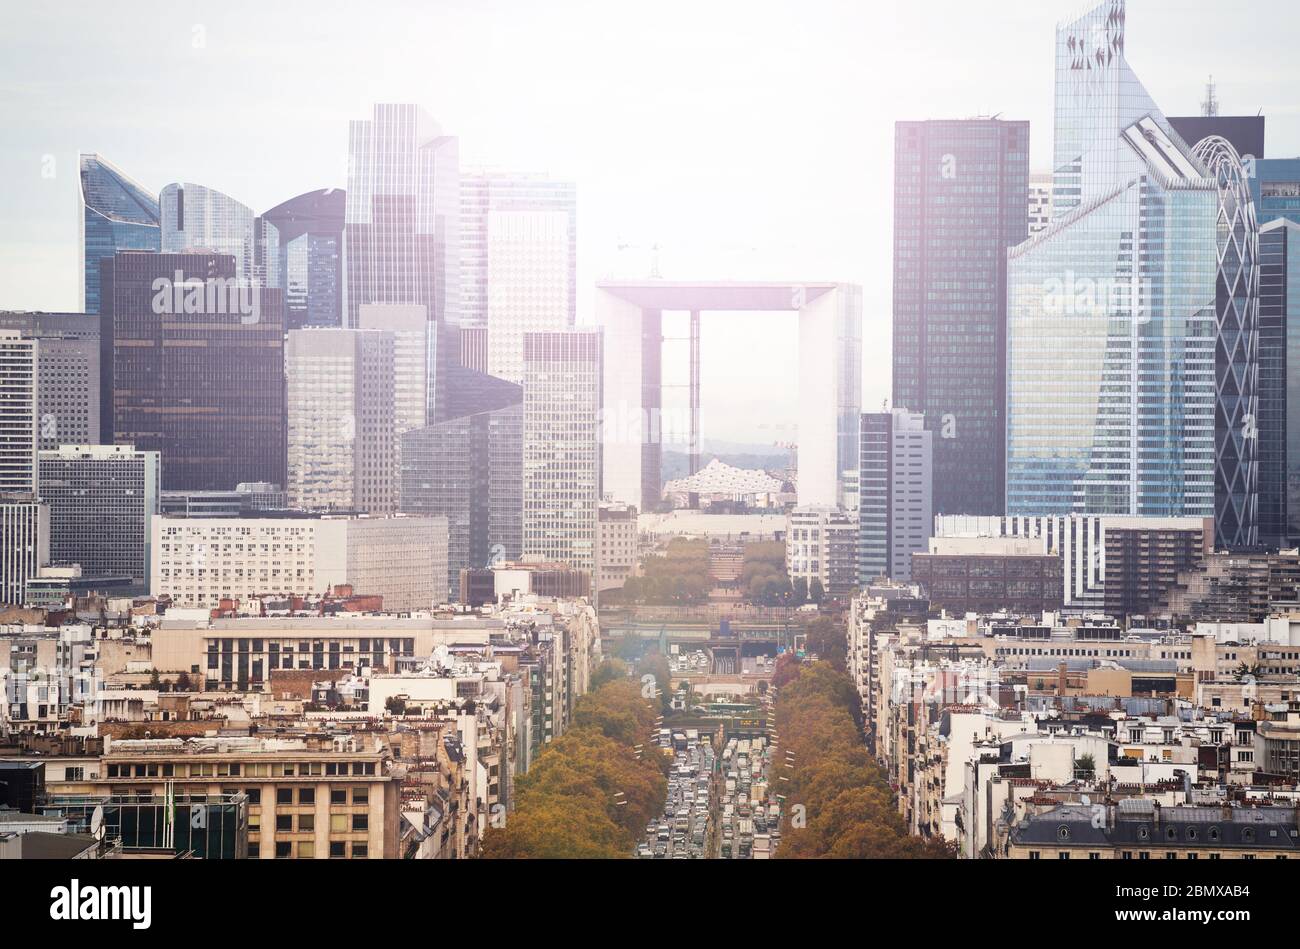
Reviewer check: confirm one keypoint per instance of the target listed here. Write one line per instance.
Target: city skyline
(709, 155)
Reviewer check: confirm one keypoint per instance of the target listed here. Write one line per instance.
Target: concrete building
(24, 546)
(616, 545)
(821, 547)
(199, 562)
(562, 447)
(19, 413)
(101, 499)
(67, 395)
(987, 574)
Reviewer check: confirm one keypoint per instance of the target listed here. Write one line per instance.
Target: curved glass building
(197, 219)
(1111, 315)
(116, 214)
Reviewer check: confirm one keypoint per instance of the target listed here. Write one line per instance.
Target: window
(284, 822)
(307, 796)
(284, 795)
(306, 821)
(338, 823)
(361, 796)
(306, 848)
(360, 822)
(338, 796)
(283, 849)
(360, 851)
(337, 850)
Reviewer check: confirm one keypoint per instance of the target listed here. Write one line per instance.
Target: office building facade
(961, 193)
(1279, 386)
(519, 261)
(1111, 318)
(199, 219)
(19, 413)
(340, 386)
(192, 366)
(101, 499)
(561, 447)
(67, 395)
(468, 468)
(895, 493)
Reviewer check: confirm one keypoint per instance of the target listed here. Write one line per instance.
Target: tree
(395, 705)
(610, 670)
(654, 664)
(800, 586)
(183, 683)
(816, 592)
(829, 641)
(155, 680)
(1085, 766)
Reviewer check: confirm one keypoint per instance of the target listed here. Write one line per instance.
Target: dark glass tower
(960, 200)
(116, 214)
(192, 365)
(468, 467)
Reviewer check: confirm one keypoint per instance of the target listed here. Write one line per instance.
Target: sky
(745, 140)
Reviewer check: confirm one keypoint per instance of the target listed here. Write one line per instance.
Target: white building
(200, 561)
(821, 545)
(616, 545)
(562, 385)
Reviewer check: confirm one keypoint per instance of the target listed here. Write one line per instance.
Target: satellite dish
(97, 822)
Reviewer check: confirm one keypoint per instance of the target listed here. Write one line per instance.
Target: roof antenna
(1210, 106)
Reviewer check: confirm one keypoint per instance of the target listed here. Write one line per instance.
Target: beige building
(319, 796)
(616, 545)
(200, 561)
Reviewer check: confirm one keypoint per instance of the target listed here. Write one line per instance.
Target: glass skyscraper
(402, 214)
(1111, 315)
(961, 199)
(116, 214)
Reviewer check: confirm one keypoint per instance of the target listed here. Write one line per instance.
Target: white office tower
(518, 261)
(341, 420)
(562, 386)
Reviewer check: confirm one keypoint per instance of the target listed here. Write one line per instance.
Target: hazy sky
(747, 139)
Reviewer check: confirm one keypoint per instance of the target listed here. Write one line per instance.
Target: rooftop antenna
(1210, 106)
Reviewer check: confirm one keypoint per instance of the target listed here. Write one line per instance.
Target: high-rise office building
(960, 200)
(518, 261)
(67, 395)
(895, 493)
(1279, 383)
(197, 219)
(101, 498)
(116, 214)
(1111, 318)
(561, 453)
(1244, 132)
(468, 468)
(409, 326)
(1275, 189)
(192, 366)
(340, 402)
(402, 216)
(299, 248)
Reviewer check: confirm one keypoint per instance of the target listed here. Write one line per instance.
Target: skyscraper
(116, 214)
(101, 498)
(895, 493)
(1275, 188)
(68, 375)
(340, 401)
(203, 220)
(561, 453)
(468, 468)
(1111, 318)
(1040, 202)
(402, 216)
(1279, 383)
(192, 366)
(1236, 355)
(519, 261)
(300, 250)
(960, 200)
